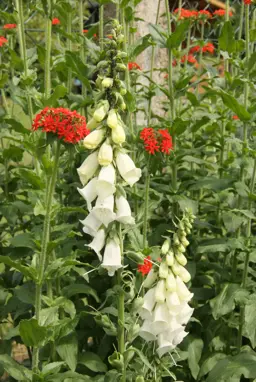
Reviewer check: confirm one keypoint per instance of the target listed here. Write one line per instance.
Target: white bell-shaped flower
(185, 314)
(92, 140)
(164, 345)
(170, 282)
(170, 258)
(123, 211)
(103, 210)
(146, 331)
(98, 242)
(89, 192)
(148, 304)
(91, 224)
(118, 134)
(150, 279)
(172, 300)
(106, 182)
(161, 319)
(127, 169)
(160, 293)
(174, 325)
(112, 120)
(112, 257)
(105, 156)
(182, 291)
(92, 124)
(185, 275)
(163, 270)
(179, 337)
(88, 168)
(101, 111)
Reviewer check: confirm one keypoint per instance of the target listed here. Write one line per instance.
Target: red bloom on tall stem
(185, 13)
(55, 21)
(189, 58)
(10, 26)
(66, 124)
(156, 140)
(133, 65)
(209, 47)
(247, 2)
(205, 14)
(221, 12)
(3, 41)
(146, 267)
(194, 49)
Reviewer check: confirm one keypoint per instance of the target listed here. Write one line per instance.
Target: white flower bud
(163, 270)
(181, 259)
(181, 248)
(88, 168)
(185, 275)
(98, 242)
(160, 291)
(176, 268)
(94, 139)
(150, 279)
(107, 82)
(176, 239)
(170, 258)
(182, 290)
(112, 120)
(170, 282)
(127, 169)
(166, 246)
(105, 156)
(101, 112)
(184, 241)
(118, 134)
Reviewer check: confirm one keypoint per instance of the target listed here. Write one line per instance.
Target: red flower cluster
(194, 49)
(10, 26)
(55, 21)
(203, 13)
(209, 47)
(247, 2)
(133, 65)
(146, 267)
(221, 12)
(3, 41)
(186, 13)
(156, 140)
(66, 124)
(188, 58)
(235, 117)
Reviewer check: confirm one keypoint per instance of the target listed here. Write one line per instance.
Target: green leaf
(26, 293)
(226, 39)
(203, 121)
(67, 349)
(59, 92)
(195, 348)
(249, 328)
(71, 290)
(69, 376)
(252, 61)
(158, 34)
(140, 45)
(176, 38)
(235, 106)
(13, 153)
(75, 63)
(16, 371)
(130, 102)
(224, 303)
(93, 362)
(32, 333)
(23, 240)
(26, 271)
(3, 80)
(141, 355)
(30, 176)
(209, 363)
(136, 239)
(52, 368)
(179, 126)
(17, 126)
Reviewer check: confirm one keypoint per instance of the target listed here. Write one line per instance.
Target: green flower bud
(120, 67)
(123, 91)
(107, 82)
(176, 268)
(184, 241)
(133, 332)
(101, 111)
(103, 64)
(150, 279)
(176, 239)
(140, 378)
(116, 360)
(123, 106)
(137, 304)
(181, 259)
(166, 246)
(181, 248)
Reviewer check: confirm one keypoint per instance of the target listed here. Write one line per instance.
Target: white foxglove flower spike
(112, 257)
(88, 168)
(123, 211)
(98, 242)
(103, 210)
(105, 185)
(127, 169)
(89, 192)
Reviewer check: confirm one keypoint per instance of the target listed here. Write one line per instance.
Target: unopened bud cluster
(165, 310)
(103, 171)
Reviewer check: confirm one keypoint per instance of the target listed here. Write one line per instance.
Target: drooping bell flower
(118, 134)
(161, 318)
(105, 185)
(105, 156)
(91, 224)
(112, 257)
(146, 331)
(112, 119)
(103, 210)
(89, 192)
(88, 168)
(123, 211)
(98, 242)
(127, 169)
(149, 302)
(101, 112)
(94, 139)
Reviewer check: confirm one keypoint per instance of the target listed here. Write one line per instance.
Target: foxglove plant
(165, 310)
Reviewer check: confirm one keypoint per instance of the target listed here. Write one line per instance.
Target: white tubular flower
(160, 293)
(118, 134)
(184, 315)
(107, 82)
(92, 124)
(172, 300)
(165, 247)
(150, 279)
(163, 270)
(106, 182)
(161, 319)
(170, 258)
(98, 242)
(179, 337)
(164, 345)
(103, 210)
(91, 224)
(181, 259)
(146, 331)
(176, 268)
(170, 282)
(123, 211)
(185, 275)
(112, 257)
(101, 112)
(105, 156)
(88, 168)
(89, 192)
(148, 304)
(92, 140)
(112, 120)
(182, 291)
(127, 169)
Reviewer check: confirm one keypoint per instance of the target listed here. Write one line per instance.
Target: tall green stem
(47, 67)
(121, 314)
(82, 51)
(241, 21)
(101, 27)
(146, 203)
(43, 256)
(69, 47)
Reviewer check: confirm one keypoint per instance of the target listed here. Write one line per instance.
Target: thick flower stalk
(108, 168)
(165, 311)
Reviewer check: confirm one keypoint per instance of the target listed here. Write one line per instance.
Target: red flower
(3, 41)
(174, 63)
(146, 267)
(185, 13)
(156, 141)
(190, 58)
(222, 12)
(66, 124)
(247, 2)
(10, 26)
(194, 49)
(235, 117)
(205, 14)
(55, 21)
(133, 65)
(209, 47)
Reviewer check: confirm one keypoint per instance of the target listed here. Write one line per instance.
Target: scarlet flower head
(156, 140)
(204, 14)
(133, 65)
(247, 2)
(10, 26)
(209, 47)
(146, 267)
(55, 21)
(221, 13)
(66, 124)
(189, 58)
(194, 49)
(235, 117)
(185, 13)
(3, 41)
